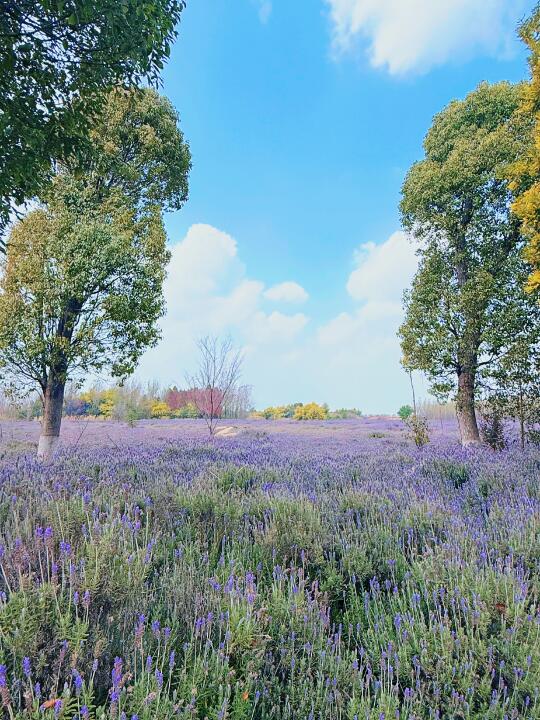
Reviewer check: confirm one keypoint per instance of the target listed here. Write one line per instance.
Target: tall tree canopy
(524, 174)
(82, 282)
(466, 306)
(56, 59)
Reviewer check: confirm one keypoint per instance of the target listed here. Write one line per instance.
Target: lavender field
(290, 571)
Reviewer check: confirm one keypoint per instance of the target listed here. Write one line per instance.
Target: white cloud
(359, 350)
(414, 35)
(277, 327)
(207, 291)
(383, 270)
(286, 292)
(350, 360)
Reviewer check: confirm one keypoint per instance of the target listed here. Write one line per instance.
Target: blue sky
(303, 117)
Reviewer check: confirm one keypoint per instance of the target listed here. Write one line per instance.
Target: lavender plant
(285, 576)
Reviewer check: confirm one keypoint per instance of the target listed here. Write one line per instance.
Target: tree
(466, 306)
(239, 402)
(216, 379)
(82, 282)
(56, 61)
(524, 174)
(514, 388)
(405, 411)
(311, 411)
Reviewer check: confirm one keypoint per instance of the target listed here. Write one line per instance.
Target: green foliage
(57, 59)
(492, 427)
(466, 307)
(82, 282)
(456, 473)
(405, 411)
(187, 411)
(344, 413)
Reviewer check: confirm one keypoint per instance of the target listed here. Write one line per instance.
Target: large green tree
(57, 57)
(466, 306)
(82, 282)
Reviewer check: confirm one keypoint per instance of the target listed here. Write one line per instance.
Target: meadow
(306, 571)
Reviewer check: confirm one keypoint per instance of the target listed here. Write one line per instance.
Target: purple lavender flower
(77, 681)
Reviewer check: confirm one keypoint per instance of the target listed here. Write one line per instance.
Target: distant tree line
(133, 401)
(308, 411)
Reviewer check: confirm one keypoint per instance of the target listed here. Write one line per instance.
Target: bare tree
(220, 367)
(238, 403)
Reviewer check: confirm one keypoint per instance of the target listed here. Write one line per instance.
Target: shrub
(492, 428)
(160, 409)
(418, 429)
(405, 411)
(345, 413)
(457, 473)
(311, 411)
(187, 411)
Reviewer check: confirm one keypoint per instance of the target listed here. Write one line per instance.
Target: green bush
(405, 411)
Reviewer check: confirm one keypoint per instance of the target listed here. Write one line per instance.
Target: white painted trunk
(46, 446)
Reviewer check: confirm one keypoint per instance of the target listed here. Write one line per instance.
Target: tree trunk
(52, 419)
(521, 419)
(466, 415)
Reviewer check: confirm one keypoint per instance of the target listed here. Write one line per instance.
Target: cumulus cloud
(287, 292)
(359, 349)
(383, 270)
(352, 359)
(414, 35)
(207, 291)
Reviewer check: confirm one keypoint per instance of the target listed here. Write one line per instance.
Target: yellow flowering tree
(160, 409)
(311, 411)
(524, 174)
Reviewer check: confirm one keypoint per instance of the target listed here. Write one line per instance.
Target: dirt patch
(229, 431)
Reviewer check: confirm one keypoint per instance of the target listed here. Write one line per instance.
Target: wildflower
(116, 674)
(26, 666)
(77, 681)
